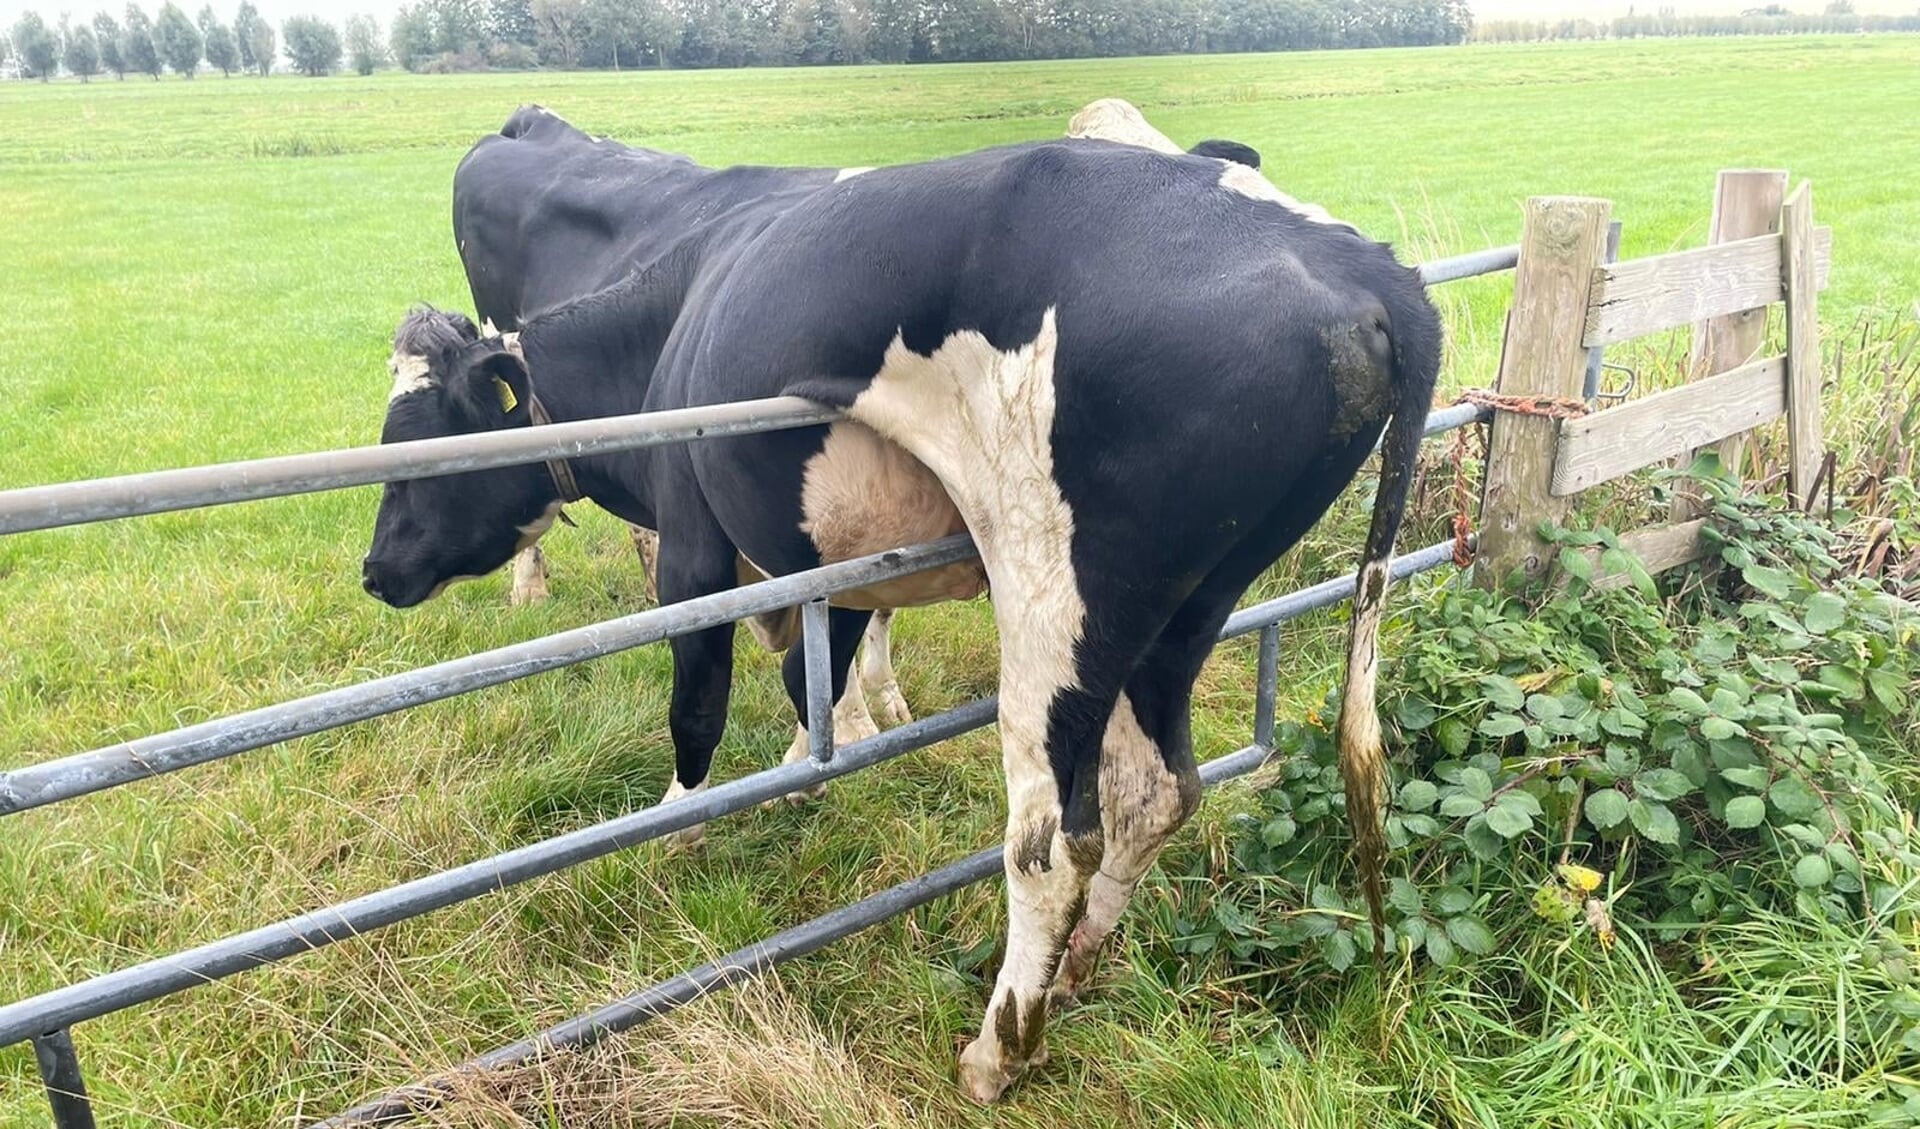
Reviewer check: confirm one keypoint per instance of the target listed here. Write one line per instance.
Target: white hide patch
(849, 174)
(676, 790)
(487, 327)
(982, 421)
(411, 374)
(1248, 182)
(537, 528)
(1117, 120)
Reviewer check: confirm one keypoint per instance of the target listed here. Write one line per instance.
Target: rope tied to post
(1542, 407)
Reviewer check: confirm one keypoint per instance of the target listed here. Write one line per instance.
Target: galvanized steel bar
(102, 499)
(66, 1086)
(754, 959)
(1456, 267)
(1591, 387)
(152, 979)
(40, 784)
(818, 643)
(1267, 680)
(1329, 592)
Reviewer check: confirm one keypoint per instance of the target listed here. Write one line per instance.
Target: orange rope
(1545, 407)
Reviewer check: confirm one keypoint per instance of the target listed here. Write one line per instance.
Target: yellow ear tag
(508, 401)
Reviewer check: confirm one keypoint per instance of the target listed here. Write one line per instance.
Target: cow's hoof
(523, 595)
(893, 705)
(1075, 972)
(798, 799)
(687, 840)
(981, 1075)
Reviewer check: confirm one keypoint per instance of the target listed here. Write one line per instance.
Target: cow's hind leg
(851, 721)
(1057, 690)
(876, 670)
(529, 577)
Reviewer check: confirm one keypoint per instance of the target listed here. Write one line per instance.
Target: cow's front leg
(647, 544)
(529, 577)
(702, 666)
(851, 721)
(876, 670)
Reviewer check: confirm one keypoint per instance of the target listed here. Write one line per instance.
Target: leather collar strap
(558, 468)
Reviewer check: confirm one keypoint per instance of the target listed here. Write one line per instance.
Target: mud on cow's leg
(876, 670)
(851, 721)
(647, 543)
(529, 584)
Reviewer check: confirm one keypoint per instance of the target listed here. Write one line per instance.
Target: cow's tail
(1363, 756)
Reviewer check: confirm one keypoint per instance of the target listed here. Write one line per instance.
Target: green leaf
(1503, 692)
(1452, 900)
(1403, 896)
(1278, 831)
(1418, 795)
(1688, 702)
(1719, 729)
(1439, 948)
(1459, 805)
(1545, 707)
(1753, 776)
(1655, 821)
(1483, 841)
(1606, 808)
(1476, 783)
(1508, 821)
(1792, 798)
(1770, 581)
(1471, 934)
(1622, 722)
(1415, 713)
(1843, 681)
(1812, 871)
(1576, 564)
(1823, 612)
(1688, 762)
(1746, 811)
(1453, 735)
(1661, 784)
(1501, 725)
(1339, 950)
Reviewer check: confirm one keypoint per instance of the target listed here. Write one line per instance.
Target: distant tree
(411, 36)
(254, 37)
(509, 21)
(1840, 7)
(178, 40)
(223, 52)
(364, 51)
(106, 36)
(562, 28)
(456, 25)
(83, 53)
(35, 45)
(6, 48)
(612, 25)
(136, 44)
(312, 45)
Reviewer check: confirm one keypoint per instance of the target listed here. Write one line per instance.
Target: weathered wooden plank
(1798, 268)
(1603, 446)
(1560, 245)
(1642, 296)
(1746, 203)
(1659, 547)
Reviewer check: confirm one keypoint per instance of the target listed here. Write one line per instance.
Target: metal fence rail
(45, 1019)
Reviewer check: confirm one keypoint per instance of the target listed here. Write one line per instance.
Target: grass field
(211, 270)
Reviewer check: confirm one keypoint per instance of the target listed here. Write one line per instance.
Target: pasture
(211, 270)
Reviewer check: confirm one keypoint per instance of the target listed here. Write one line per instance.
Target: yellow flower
(1579, 877)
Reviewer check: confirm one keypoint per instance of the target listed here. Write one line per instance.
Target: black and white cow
(1135, 377)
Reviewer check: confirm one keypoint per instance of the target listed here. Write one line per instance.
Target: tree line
(447, 35)
(1838, 17)
(138, 44)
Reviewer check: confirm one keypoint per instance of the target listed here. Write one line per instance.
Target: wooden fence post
(1562, 241)
(1746, 203)
(1797, 255)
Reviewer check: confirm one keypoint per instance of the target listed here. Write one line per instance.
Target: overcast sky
(338, 10)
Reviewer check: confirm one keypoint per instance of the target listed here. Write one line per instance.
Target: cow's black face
(431, 532)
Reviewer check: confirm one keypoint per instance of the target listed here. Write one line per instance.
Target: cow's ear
(494, 389)
(1228, 151)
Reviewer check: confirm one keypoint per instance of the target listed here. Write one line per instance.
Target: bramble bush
(1607, 755)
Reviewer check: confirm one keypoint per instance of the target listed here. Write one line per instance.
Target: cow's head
(450, 379)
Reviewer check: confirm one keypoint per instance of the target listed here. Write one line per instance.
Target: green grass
(211, 270)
